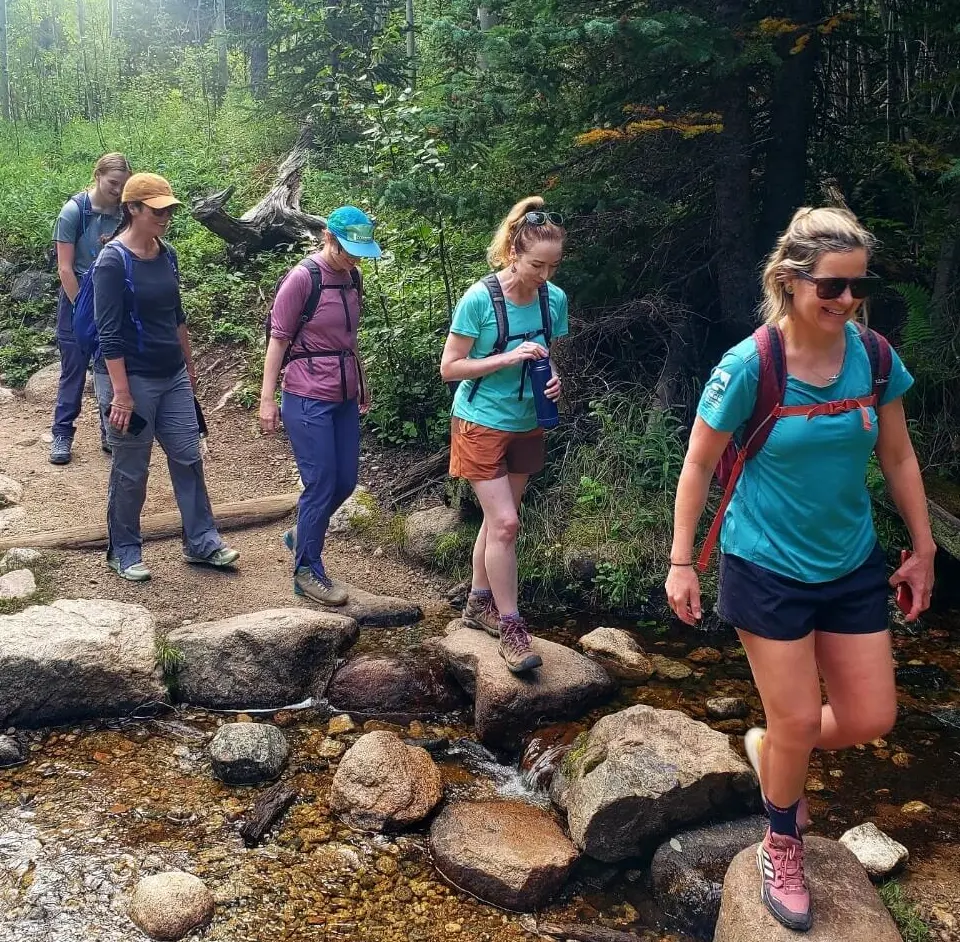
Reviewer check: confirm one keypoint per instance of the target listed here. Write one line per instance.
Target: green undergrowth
(905, 913)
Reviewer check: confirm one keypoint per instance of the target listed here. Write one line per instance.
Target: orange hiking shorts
(478, 453)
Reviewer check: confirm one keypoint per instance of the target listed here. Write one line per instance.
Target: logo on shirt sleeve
(716, 386)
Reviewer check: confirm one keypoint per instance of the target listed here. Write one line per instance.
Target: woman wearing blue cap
(313, 342)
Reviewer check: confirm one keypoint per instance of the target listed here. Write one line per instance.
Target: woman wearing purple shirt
(313, 342)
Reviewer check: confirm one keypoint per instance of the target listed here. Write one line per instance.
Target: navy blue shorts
(767, 604)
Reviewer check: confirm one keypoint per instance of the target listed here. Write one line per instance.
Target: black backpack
(492, 283)
(310, 308)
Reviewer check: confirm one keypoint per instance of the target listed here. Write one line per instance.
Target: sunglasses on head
(537, 217)
(829, 289)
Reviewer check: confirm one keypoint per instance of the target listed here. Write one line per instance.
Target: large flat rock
(642, 773)
(846, 907)
(369, 610)
(77, 659)
(507, 705)
(262, 659)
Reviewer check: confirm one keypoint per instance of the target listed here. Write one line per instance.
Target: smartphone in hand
(137, 422)
(904, 595)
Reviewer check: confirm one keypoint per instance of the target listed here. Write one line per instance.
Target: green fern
(921, 341)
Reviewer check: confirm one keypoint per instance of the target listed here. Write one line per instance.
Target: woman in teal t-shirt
(802, 577)
(495, 441)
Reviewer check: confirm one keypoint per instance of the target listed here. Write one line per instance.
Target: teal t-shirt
(497, 403)
(801, 507)
(98, 228)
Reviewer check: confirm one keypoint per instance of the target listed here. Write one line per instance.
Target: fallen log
(420, 472)
(266, 811)
(276, 220)
(229, 516)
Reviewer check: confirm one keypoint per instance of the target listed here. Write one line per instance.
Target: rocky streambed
(563, 798)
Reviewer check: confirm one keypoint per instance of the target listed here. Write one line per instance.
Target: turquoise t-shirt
(497, 403)
(98, 227)
(801, 507)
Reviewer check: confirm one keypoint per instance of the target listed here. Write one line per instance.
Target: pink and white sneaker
(783, 886)
(751, 745)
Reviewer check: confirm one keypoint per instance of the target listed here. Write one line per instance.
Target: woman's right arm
(269, 412)
(66, 253)
(108, 309)
(704, 451)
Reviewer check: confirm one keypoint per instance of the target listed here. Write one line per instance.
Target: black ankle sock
(783, 821)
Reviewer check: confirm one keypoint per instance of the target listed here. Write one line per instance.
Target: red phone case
(904, 596)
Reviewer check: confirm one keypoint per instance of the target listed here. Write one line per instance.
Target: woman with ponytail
(802, 576)
(86, 222)
(495, 441)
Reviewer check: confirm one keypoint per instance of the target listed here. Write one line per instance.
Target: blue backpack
(84, 323)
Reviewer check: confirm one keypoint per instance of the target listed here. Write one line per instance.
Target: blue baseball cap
(353, 229)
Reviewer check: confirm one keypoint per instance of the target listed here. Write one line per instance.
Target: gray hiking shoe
(219, 558)
(135, 573)
(61, 450)
(318, 588)
(516, 646)
(482, 615)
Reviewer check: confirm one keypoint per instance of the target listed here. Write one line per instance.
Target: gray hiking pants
(167, 407)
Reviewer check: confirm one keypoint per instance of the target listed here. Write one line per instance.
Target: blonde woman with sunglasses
(802, 576)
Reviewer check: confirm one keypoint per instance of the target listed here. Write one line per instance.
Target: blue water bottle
(540, 374)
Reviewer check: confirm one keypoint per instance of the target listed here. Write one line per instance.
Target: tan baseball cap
(150, 189)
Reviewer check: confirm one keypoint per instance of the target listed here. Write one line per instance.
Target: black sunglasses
(539, 218)
(830, 288)
(165, 212)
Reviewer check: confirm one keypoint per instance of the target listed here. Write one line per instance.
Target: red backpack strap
(771, 386)
(880, 356)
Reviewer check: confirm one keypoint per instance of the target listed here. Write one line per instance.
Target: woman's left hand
(916, 572)
(366, 404)
(552, 389)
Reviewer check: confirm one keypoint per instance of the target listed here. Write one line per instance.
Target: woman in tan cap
(144, 378)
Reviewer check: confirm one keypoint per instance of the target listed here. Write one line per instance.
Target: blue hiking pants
(166, 404)
(326, 444)
(73, 374)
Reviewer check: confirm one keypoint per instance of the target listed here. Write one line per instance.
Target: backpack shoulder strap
(545, 316)
(356, 278)
(880, 356)
(83, 203)
(492, 283)
(167, 248)
(771, 386)
(316, 286)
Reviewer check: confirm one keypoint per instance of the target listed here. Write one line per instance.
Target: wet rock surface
(618, 653)
(413, 684)
(262, 659)
(687, 872)
(76, 659)
(248, 753)
(169, 906)
(382, 784)
(505, 704)
(11, 752)
(642, 773)
(845, 904)
(727, 708)
(508, 853)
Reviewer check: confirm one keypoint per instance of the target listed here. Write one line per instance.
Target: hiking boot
(751, 745)
(783, 886)
(219, 558)
(515, 646)
(482, 615)
(318, 588)
(61, 450)
(135, 573)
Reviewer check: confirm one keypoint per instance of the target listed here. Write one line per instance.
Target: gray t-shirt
(88, 245)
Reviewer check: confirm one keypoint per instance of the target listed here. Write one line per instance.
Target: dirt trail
(240, 464)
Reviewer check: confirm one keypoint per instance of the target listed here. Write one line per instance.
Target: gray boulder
(248, 753)
(879, 853)
(358, 509)
(169, 906)
(11, 752)
(727, 708)
(507, 705)
(41, 388)
(505, 852)
(75, 660)
(32, 285)
(687, 872)
(11, 492)
(642, 773)
(846, 907)
(423, 529)
(382, 784)
(618, 653)
(18, 558)
(19, 584)
(260, 660)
